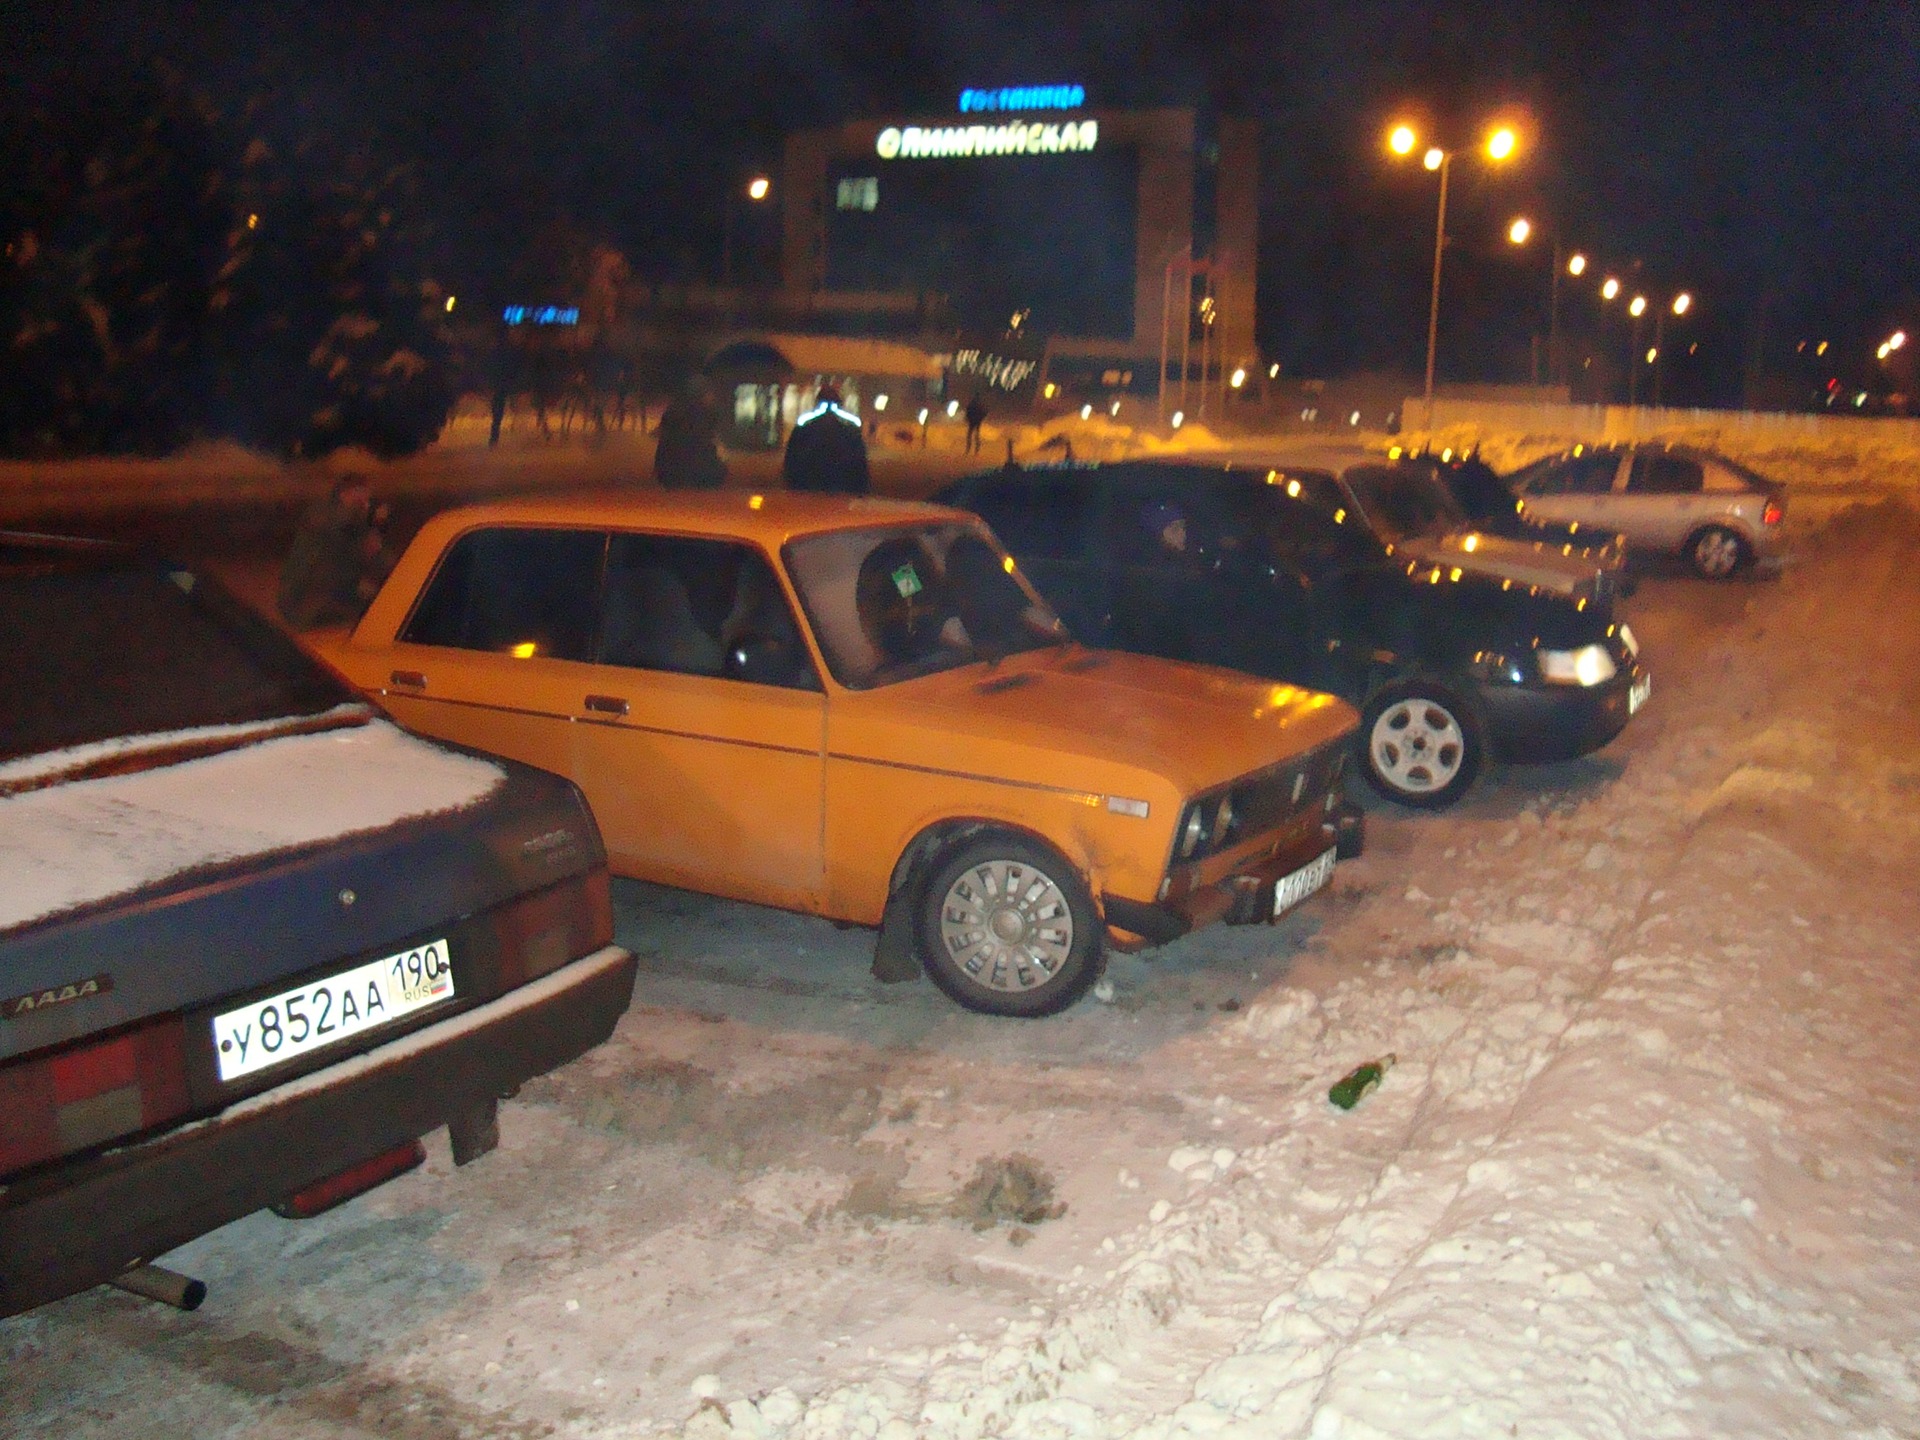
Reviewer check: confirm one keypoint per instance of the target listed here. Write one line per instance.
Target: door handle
(606, 704)
(410, 679)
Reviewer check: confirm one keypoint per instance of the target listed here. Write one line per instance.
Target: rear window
(93, 655)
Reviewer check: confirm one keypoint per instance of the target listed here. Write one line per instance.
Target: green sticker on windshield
(907, 581)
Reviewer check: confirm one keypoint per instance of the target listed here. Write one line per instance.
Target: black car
(1341, 576)
(255, 940)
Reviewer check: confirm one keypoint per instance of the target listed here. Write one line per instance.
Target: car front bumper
(1541, 723)
(78, 1224)
(1244, 897)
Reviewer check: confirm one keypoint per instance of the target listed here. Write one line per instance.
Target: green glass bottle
(1348, 1089)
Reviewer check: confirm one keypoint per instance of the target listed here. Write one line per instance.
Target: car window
(1297, 533)
(1037, 517)
(1169, 516)
(1577, 475)
(518, 591)
(683, 605)
(1401, 501)
(94, 655)
(889, 605)
(1664, 475)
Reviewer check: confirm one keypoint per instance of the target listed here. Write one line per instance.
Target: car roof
(24, 552)
(772, 516)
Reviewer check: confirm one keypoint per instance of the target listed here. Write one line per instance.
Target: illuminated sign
(1024, 97)
(860, 192)
(1003, 371)
(916, 142)
(541, 315)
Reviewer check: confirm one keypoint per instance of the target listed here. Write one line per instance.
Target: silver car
(1718, 516)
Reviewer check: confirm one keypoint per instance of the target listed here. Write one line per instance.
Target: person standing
(976, 413)
(337, 560)
(827, 451)
(686, 453)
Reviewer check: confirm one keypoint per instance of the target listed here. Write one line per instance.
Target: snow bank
(76, 844)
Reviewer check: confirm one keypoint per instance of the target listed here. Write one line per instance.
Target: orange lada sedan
(858, 708)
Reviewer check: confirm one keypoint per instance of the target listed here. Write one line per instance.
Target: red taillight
(543, 931)
(1775, 512)
(71, 1099)
(323, 1195)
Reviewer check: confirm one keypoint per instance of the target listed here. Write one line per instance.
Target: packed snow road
(1647, 1165)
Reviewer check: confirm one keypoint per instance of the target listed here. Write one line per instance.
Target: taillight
(1775, 512)
(541, 932)
(68, 1100)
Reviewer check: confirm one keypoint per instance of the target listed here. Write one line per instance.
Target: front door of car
(494, 654)
(1577, 490)
(1662, 501)
(1187, 576)
(702, 723)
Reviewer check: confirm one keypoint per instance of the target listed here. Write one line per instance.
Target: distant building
(1067, 242)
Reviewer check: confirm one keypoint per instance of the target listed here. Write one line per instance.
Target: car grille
(1270, 799)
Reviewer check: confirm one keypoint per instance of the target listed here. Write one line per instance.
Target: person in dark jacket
(686, 452)
(827, 451)
(337, 560)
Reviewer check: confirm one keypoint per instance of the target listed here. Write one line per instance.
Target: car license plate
(284, 1026)
(1290, 890)
(1638, 692)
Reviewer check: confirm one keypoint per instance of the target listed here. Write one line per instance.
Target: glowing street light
(758, 187)
(1518, 232)
(1576, 264)
(1501, 145)
(1896, 340)
(1638, 307)
(1682, 303)
(1610, 290)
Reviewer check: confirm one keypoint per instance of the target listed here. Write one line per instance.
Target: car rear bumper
(1541, 723)
(1245, 897)
(75, 1225)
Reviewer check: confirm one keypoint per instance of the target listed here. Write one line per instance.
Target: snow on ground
(1647, 1165)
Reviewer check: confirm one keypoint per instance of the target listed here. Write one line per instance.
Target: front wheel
(1716, 552)
(1008, 927)
(1422, 744)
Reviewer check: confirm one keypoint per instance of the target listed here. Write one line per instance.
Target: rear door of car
(699, 775)
(494, 654)
(1663, 500)
(1049, 523)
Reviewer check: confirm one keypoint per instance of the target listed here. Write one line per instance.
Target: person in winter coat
(337, 560)
(686, 452)
(827, 451)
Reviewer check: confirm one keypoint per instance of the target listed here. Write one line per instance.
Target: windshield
(888, 605)
(1400, 502)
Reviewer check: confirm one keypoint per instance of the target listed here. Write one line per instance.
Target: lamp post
(756, 190)
(1500, 145)
(1519, 233)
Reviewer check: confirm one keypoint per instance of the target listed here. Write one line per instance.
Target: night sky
(1760, 156)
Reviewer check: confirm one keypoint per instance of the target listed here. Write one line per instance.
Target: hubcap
(1417, 746)
(1717, 552)
(1006, 925)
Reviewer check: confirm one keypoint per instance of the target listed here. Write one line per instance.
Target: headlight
(1626, 639)
(1589, 665)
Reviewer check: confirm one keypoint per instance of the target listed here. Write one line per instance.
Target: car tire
(1717, 553)
(1421, 744)
(1008, 927)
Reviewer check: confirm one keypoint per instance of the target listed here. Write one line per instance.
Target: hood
(1068, 717)
(1493, 557)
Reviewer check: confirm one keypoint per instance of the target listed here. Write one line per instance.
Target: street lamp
(757, 190)
(1500, 145)
(1519, 233)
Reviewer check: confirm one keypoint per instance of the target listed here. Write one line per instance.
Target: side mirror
(764, 660)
